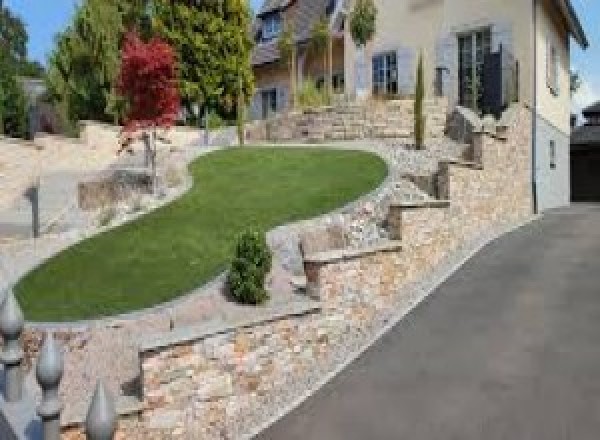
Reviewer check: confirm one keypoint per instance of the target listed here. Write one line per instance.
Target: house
(481, 54)
(272, 76)
(585, 157)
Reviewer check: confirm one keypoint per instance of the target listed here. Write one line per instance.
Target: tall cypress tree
(418, 106)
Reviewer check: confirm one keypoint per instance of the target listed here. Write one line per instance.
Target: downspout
(534, 113)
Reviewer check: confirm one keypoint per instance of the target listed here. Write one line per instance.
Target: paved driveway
(508, 348)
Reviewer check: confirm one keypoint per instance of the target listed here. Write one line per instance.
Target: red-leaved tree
(147, 80)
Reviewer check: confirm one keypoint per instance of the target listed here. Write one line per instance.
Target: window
(552, 155)
(338, 82)
(269, 102)
(472, 49)
(271, 27)
(320, 83)
(385, 74)
(552, 69)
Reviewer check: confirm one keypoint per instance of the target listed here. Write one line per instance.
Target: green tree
(83, 67)
(363, 21)
(286, 45)
(13, 62)
(418, 106)
(213, 42)
(321, 42)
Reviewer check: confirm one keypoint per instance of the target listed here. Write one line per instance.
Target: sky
(44, 18)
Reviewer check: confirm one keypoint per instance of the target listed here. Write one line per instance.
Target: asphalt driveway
(508, 348)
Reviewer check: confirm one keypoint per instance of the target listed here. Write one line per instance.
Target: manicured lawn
(181, 246)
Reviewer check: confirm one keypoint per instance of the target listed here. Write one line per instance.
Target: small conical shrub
(249, 269)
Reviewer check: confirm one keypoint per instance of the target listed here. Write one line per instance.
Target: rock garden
(355, 234)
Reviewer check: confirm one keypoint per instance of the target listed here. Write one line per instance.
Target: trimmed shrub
(215, 121)
(309, 95)
(363, 21)
(249, 269)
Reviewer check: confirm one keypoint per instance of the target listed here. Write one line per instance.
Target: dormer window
(271, 27)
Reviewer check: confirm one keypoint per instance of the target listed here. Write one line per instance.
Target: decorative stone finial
(11, 327)
(101, 420)
(49, 372)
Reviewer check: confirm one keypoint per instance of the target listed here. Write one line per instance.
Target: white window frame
(272, 95)
(553, 68)
(385, 75)
(271, 27)
(552, 154)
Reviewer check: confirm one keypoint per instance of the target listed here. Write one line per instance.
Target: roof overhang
(273, 7)
(573, 24)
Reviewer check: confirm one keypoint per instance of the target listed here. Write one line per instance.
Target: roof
(573, 23)
(304, 17)
(585, 137)
(265, 53)
(273, 6)
(592, 110)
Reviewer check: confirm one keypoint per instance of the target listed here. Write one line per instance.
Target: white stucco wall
(431, 27)
(553, 111)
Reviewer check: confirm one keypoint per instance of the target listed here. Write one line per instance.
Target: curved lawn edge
(266, 179)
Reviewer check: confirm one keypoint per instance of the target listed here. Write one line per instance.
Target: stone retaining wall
(384, 119)
(227, 384)
(95, 134)
(112, 187)
(479, 196)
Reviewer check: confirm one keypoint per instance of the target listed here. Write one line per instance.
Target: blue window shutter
(406, 70)
(446, 53)
(502, 35)
(256, 106)
(282, 98)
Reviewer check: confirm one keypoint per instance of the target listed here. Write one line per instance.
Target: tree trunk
(1, 103)
(330, 67)
(241, 114)
(153, 156)
(147, 149)
(206, 128)
(293, 79)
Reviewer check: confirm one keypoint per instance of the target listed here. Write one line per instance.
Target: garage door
(585, 176)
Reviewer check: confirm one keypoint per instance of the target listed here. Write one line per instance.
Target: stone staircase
(221, 382)
(391, 119)
(437, 197)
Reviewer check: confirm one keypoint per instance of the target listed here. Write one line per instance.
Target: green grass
(172, 250)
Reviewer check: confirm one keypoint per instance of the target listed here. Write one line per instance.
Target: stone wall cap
(421, 204)
(20, 142)
(92, 123)
(463, 163)
(339, 255)
(185, 335)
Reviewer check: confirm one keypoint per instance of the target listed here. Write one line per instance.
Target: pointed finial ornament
(49, 372)
(11, 327)
(101, 420)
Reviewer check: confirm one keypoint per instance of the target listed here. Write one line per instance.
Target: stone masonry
(374, 120)
(223, 385)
